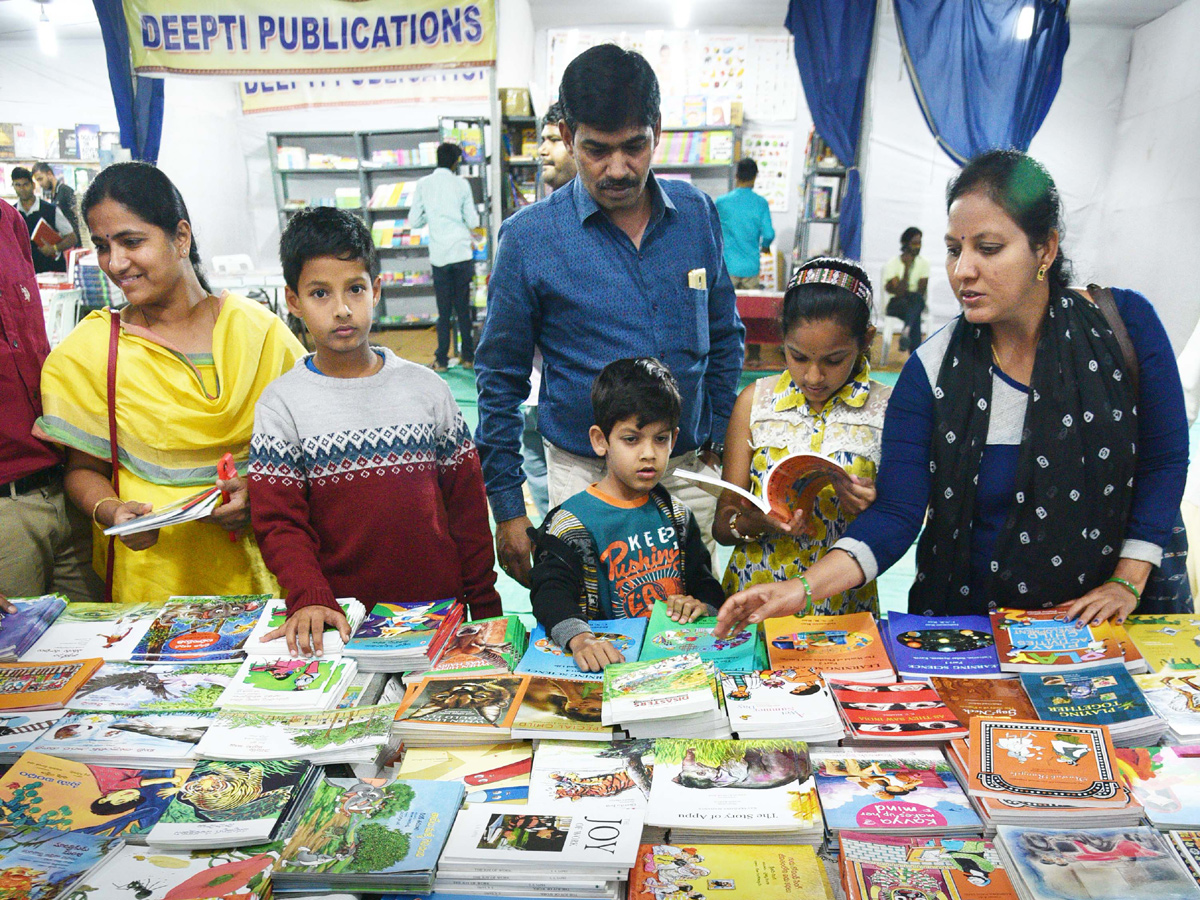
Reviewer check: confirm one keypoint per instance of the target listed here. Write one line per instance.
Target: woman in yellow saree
(190, 368)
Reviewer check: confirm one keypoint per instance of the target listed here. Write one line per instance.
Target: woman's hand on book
(682, 608)
(233, 514)
(762, 601)
(6, 605)
(855, 495)
(592, 654)
(305, 627)
(128, 511)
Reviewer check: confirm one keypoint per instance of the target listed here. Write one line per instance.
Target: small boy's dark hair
(325, 231)
(448, 154)
(642, 389)
(747, 169)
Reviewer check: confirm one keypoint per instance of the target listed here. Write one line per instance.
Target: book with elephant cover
(235, 804)
(1166, 641)
(666, 637)
(73, 796)
(186, 875)
(109, 631)
(881, 865)
(847, 646)
(490, 773)
(572, 776)
(791, 484)
(485, 647)
(370, 835)
(544, 657)
(560, 708)
(730, 872)
(746, 786)
(43, 685)
(1032, 640)
(995, 698)
(125, 687)
(950, 646)
(657, 689)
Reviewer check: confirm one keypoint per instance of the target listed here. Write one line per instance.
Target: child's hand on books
(855, 495)
(6, 605)
(682, 608)
(128, 510)
(305, 627)
(592, 654)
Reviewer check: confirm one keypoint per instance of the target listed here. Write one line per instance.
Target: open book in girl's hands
(791, 484)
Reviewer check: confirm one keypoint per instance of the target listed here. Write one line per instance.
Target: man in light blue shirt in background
(444, 202)
(746, 227)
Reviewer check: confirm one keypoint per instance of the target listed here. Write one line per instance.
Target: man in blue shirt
(745, 226)
(615, 265)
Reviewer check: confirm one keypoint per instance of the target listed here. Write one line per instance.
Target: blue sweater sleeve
(888, 527)
(1162, 424)
(503, 362)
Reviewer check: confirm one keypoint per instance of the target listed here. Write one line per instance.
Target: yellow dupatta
(171, 431)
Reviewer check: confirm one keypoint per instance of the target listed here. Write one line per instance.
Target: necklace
(995, 357)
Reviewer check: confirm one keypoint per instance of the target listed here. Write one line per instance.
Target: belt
(37, 480)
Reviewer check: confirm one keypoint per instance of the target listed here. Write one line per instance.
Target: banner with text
(457, 86)
(314, 37)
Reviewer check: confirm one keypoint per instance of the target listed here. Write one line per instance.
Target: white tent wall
(1149, 226)
(906, 172)
(59, 91)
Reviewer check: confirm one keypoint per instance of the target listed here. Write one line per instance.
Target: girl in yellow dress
(823, 403)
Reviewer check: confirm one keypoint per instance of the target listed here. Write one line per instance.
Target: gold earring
(1041, 276)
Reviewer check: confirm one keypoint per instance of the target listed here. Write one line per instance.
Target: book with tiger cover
(993, 698)
(847, 647)
(1033, 640)
(560, 708)
(485, 647)
(1027, 761)
(1166, 641)
(882, 865)
(730, 872)
(490, 773)
(47, 685)
(902, 710)
(574, 776)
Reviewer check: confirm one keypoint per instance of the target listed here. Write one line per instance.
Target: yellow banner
(313, 37)
(459, 85)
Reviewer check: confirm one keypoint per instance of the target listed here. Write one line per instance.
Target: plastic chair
(233, 264)
(60, 308)
(890, 326)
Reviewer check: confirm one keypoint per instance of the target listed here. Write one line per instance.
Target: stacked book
(1166, 782)
(127, 740)
(358, 735)
(782, 703)
(905, 790)
(1101, 695)
(992, 698)
(373, 836)
(488, 773)
(845, 647)
(947, 646)
(1187, 845)
(23, 628)
(45, 864)
(48, 685)
(108, 631)
(485, 647)
(729, 872)
(1174, 695)
(726, 791)
(531, 851)
(241, 873)
(1167, 641)
(289, 684)
(737, 653)
(1120, 863)
(677, 688)
(21, 730)
(902, 711)
(460, 709)
(274, 616)
(880, 865)
(392, 195)
(127, 687)
(712, 723)
(404, 637)
(546, 658)
(200, 629)
(1036, 640)
(236, 804)
(563, 709)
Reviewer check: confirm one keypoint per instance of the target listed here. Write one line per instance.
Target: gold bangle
(99, 503)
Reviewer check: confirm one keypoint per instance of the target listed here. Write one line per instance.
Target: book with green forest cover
(127, 687)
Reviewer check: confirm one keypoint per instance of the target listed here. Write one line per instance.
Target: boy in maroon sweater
(364, 481)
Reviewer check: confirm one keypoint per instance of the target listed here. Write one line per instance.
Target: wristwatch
(717, 447)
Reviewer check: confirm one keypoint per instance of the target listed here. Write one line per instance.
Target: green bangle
(808, 595)
(1128, 585)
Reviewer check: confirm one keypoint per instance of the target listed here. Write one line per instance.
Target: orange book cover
(792, 483)
(1031, 761)
(44, 236)
(832, 645)
(45, 685)
(992, 698)
(1030, 640)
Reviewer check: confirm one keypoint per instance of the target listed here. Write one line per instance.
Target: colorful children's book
(46, 791)
(187, 509)
(234, 804)
(1187, 843)
(1167, 641)
(19, 631)
(1104, 695)
(846, 647)
(882, 865)
(994, 698)
(739, 786)
(46, 685)
(581, 777)
(1065, 764)
(950, 646)
(133, 688)
(554, 708)
(462, 705)
(900, 711)
(1174, 694)
(404, 637)
(490, 773)
(288, 684)
(135, 740)
(661, 688)
(665, 637)
(730, 872)
(18, 730)
(1166, 781)
(109, 631)
(781, 703)
(46, 864)
(134, 874)
(274, 615)
(361, 734)
(1032, 640)
(544, 657)
(485, 647)
(1094, 864)
(370, 836)
(792, 483)
(201, 629)
(909, 790)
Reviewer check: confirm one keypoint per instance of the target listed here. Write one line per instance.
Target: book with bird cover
(159, 688)
(109, 631)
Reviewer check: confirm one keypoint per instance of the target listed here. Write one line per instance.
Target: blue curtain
(833, 51)
(980, 85)
(139, 100)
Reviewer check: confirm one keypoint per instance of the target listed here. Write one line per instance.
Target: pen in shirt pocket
(698, 280)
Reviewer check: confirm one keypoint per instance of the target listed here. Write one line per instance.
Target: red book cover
(911, 710)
